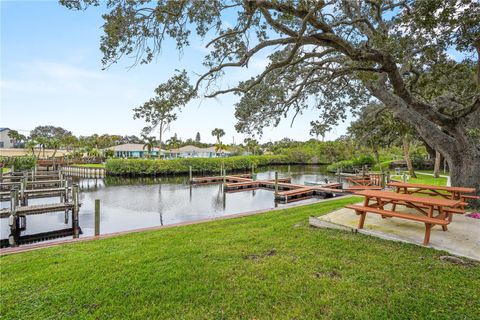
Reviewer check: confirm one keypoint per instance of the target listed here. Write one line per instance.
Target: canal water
(133, 203)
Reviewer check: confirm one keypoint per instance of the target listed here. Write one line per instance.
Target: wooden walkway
(33, 185)
(220, 179)
(285, 190)
(38, 209)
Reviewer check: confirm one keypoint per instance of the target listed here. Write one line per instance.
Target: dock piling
(276, 183)
(12, 219)
(190, 173)
(76, 207)
(23, 186)
(97, 217)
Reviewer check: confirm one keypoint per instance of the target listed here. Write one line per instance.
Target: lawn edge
(37, 246)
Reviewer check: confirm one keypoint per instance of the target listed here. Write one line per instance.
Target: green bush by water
(350, 165)
(160, 166)
(19, 163)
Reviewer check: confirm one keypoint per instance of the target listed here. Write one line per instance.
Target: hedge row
(19, 163)
(351, 165)
(172, 166)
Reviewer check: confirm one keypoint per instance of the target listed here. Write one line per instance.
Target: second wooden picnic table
(459, 193)
(436, 211)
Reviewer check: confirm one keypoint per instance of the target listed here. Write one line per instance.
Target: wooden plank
(401, 215)
(408, 198)
(38, 209)
(430, 187)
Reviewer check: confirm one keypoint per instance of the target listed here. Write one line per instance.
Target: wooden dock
(30, 186)
(221, 179)
(38, 209)
(43, 236)
(285, 191)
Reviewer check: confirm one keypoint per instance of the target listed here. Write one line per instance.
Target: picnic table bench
(433, 211)
(457, 193)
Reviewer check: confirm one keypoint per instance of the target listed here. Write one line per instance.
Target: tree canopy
(335, 56)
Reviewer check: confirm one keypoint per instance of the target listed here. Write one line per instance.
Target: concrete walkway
(461, 239)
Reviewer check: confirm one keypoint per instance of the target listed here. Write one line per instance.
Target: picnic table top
(431, 201)
(430, 187)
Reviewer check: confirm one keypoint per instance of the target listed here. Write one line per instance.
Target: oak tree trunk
(160, 140)
(465, 171)
(436, 167)
(406, 154)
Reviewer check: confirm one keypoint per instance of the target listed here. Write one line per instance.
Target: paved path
(462, 237)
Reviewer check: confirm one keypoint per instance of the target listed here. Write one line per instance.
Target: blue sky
(51, 74)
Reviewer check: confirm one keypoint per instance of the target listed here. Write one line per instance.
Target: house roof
(3, 129)
(190, 148)
(130, 147)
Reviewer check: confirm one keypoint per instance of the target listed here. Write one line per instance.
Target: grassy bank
(267, 266)
(207, 165)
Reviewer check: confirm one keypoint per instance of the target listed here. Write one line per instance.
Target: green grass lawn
(431, 172)
(90, 165)
(4, 170)
(427, 179)
(267, 266)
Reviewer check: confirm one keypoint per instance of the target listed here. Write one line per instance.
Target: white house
(134, 150)
(190, 151)
(5, 141)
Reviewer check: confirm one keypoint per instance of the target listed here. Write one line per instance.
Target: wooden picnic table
(434, 211)
(458, 193)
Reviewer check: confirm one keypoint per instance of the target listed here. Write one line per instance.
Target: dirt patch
(458, 261)
(268, 253)
(331, 274)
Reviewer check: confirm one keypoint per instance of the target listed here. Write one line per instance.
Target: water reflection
(132, 203)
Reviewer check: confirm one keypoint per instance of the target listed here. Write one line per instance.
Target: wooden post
(190, 173)
(289, 170)
(23, 187)
(388, 177)
(76, 208)
(382, 180)
(253, 172)
(12, 219)
(224, 176)
(276, 183)
(97, 217)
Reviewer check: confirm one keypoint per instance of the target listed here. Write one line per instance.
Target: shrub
(19, 163)
(351, 165)
(158, 166)
(364, 160)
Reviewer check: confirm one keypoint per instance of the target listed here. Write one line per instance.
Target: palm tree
(16, 137)
(149, 144)
(31, 144)
(251, 144)
(42, 142)
(54, 144)
(219, 147)
(174, 142)
(218, 133)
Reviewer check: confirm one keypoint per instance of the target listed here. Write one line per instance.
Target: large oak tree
(335, 55)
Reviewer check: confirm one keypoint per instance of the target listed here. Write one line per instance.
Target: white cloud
(50, 77)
